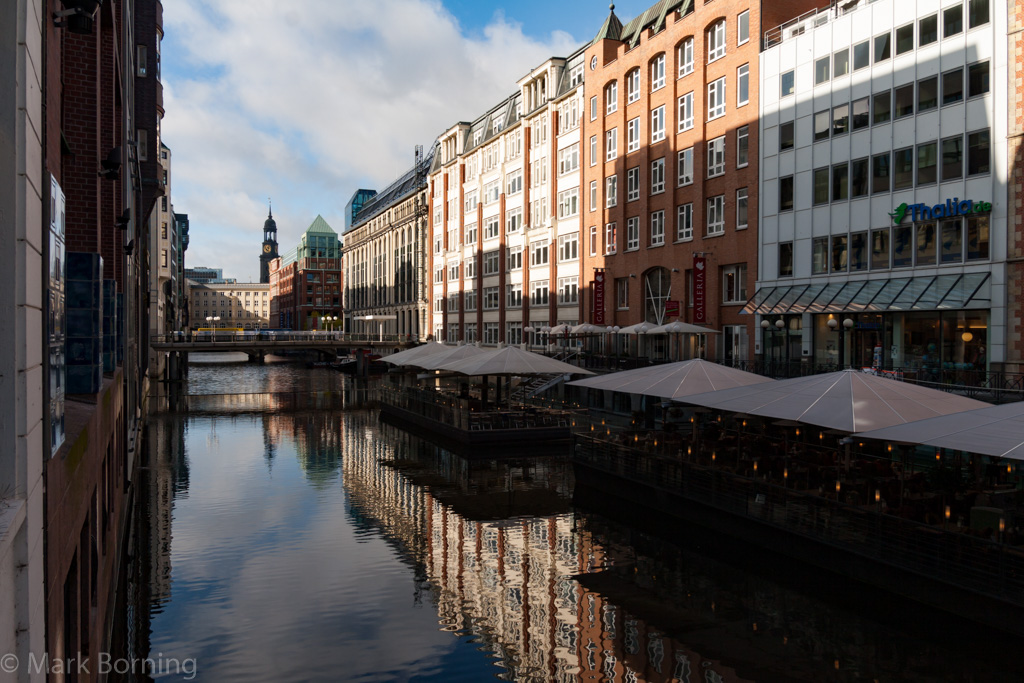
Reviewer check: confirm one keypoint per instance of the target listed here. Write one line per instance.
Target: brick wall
(1015, 189)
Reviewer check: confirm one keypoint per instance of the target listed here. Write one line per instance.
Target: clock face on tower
(266, 248)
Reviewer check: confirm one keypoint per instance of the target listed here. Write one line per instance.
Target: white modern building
(505, 214)
(884, 187)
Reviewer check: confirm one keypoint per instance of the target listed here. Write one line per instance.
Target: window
(741, 208)
(902, 252)
(880, 173)
(469, 300)
(658, 176)
(633, 135)
(491, 228)
(163, 258)
(742, 85)
(568, 290)
(658, 124)
(734, 284)
(952, 158)
(611, 191)
(821, 70)
(819, 256)
(611, 98)
(569, 159)
(685, 166)
(882, 47)
(861, 55)
(927, 163)
(568, 247)
(490, 333)
(881, 107)
(786, 135)
(841, 119)
(839, 254)
(786, 193)
(904, 39)
(840, 182)
(952, 86)
(685, 114)
(822, 124)
(611, 244)
(513, 221)
(880, 249)
(903, 101)
(927, 93)
(821, 185)
(861, 113)
(593, 240)
(453, 270)
(977, 238)
(743, 27)
(539, 212)
(716, 41)
(978, 152)
(977, 12)
(716, 98)
(611, 144)
(951, 241)
(633, 184)
(514, 183)
(622, 293)
(858, 251)
(928, 30)
(684, 56)
(632, 233)
(539, 253)
(977, 79)
(924, 234)
(658, 72)
(742, 146)
(716, 157)
(841, 63)
(593, 150)
(568, 203)
(684, 222)
(538, 172)
(903, 168)
(787, 84)
(593, 108)
(716, 215)
(593, 195)
(514, 258)
(657, 228)
(633, 86)
(785, 259)
(952, 20)
(492, 300)
(859, 178)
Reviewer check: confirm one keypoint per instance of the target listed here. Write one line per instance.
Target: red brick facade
(1015, 190)
(732, 247)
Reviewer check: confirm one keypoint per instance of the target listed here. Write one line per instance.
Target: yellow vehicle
(220, 329)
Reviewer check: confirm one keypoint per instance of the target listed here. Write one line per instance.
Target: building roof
(653, 17)
(320, 226)
(411, 181)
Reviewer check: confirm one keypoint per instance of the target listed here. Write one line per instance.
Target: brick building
(305, 283)
(671, 168)
(1015, 186)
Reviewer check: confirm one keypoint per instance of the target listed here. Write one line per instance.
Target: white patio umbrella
(588, 328)
(674, 380)
(510, 360)
(993, 430)
(639, 328)
(679, 327)
(406, 357)
(560, 329)
(848, 401)
(451, 353)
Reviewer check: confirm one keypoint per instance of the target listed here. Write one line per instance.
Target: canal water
(282, 533)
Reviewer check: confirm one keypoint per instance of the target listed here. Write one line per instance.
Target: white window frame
(742, 200)
(633, 233)
(593, 150)
(514, 258)
(743, 27)
(611, 191)
(622, 294)
(514, 183)
(658, 72)
(658, 176)
(657, 228)
(684, 222)
(513, 221)
(569, 247)
(684, 112)
(492, 227)
(536, 299)
(716, 216)
(633, 86)
(716, 99)
(684, 167)
(611, 238)
(742, 134)
(716, 41)
(611, 144)
(716, 157)
(593, 108)
(684, 56)
(568, 203)
(492, 263)
(738, 271)
(539, 253)
(742, 77)
(633, 184)
(611, 98)
(633, 135)
(568, 290)
(658, 124)
(569, 159)
(593, 195)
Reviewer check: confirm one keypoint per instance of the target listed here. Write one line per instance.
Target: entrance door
(734, 344)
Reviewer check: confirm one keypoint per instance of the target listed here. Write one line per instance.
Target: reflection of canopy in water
(848, 400)
(993, 430)
(674, 380)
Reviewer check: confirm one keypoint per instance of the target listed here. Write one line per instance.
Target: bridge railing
(261, 336)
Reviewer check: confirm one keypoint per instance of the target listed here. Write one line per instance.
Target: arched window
(658, 72)
(633, 86)
(716, 40)
(657, 290)
(611, 97)
(684, 57)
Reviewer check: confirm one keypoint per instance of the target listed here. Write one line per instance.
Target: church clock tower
(269, 246)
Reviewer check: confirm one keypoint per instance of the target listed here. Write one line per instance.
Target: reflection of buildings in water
(317, 436)
(167, 478)
(509, 582)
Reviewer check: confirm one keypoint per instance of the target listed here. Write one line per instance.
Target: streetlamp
(216, 321)
(780, 325)
(833, 325)
(764, 339)
(528, 331)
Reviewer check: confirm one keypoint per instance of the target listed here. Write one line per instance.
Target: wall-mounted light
(125, 218)
(632, 275)
(111, 166)
(77, 15)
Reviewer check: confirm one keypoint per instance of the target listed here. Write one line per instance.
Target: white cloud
(309, 101)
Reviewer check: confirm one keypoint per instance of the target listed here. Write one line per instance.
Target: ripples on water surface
(316, 545)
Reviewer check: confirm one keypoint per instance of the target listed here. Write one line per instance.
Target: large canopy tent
(435, 361)
(993, 430)
(848, 401)
(509, 361)
(674, 380)
(409, 355)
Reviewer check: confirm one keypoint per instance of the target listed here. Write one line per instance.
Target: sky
(306, 101)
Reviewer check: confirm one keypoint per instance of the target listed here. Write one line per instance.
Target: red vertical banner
(598, 313)
(700, 315)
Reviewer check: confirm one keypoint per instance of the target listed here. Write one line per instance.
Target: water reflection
(316, 544)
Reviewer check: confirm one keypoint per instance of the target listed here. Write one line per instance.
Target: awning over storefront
(923, 293)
